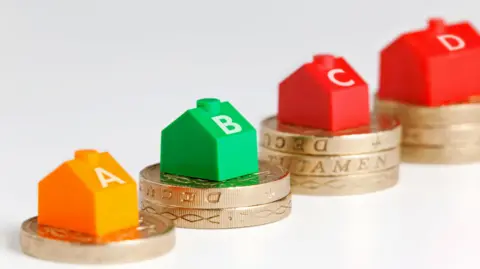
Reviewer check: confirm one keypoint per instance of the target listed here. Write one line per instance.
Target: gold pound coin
(153, 237)
(441, 155)
(221, 218)
(345, 185)
(383, 133)
(271, 183)
(333, 165)
(454, 135)
(412, 115)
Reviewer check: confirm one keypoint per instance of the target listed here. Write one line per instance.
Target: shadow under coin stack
(435, 103)
(210, 176)
(325, 135)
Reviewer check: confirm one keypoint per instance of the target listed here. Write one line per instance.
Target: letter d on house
(451, 42)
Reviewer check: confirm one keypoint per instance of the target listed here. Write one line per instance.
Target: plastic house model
(325, 94)
(436, 66)
(90, 194)
(212, 141)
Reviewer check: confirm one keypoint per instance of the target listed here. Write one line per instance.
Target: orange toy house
(90, 194)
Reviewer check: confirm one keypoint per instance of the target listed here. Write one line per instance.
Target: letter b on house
(227, 125)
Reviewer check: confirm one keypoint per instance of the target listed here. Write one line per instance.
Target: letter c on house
(457, 45)
(331, 75)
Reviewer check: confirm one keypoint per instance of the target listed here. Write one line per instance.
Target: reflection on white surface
(111, 74)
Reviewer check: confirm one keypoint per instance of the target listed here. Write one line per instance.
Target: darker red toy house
(436, 66)
(326, 94)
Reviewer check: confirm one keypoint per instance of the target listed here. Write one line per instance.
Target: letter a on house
(212, 141)
(90, 194)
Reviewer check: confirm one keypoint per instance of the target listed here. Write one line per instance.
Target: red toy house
(436, 66)
(326, 94)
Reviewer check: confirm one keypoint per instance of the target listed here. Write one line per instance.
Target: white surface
(111, 74)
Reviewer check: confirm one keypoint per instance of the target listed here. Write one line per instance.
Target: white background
(110, 75)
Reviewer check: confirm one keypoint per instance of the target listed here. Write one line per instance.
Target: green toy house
(212, 141)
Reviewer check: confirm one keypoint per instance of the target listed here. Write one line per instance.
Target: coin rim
(29, 237)
(300, 190)
(357, 138)
(231, 195)
(470, 130)
(421, 116)
(287, 198)
(397, 150)
(427, 151)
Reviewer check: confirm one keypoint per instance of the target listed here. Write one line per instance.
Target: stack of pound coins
(325, 134)
(429, 80)
(347, 162)
(250, 200)
(437, 135)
